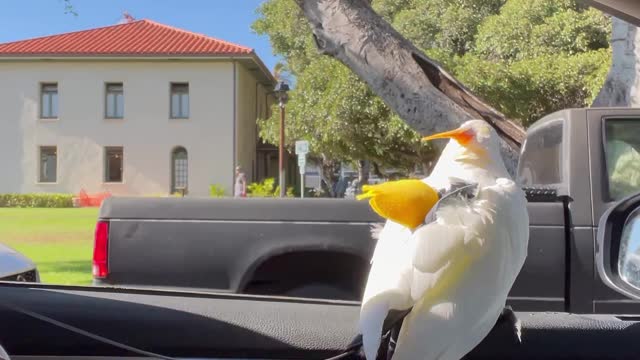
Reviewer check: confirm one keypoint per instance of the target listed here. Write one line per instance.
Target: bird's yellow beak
(405, 202)
(462, 136)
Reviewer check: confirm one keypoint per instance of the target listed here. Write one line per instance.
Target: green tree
(531, 88)
(288, 33)
(344, 121)
(529, 28)
(525, 57)
(448, 25)
(329, 106)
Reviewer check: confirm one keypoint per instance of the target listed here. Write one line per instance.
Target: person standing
(240, 188)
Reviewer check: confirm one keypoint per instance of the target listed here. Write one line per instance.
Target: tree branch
(419, 90)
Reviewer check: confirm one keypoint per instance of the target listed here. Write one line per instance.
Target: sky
(228, 20)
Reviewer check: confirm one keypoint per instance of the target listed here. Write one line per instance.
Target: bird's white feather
(388, 285)
(376, 229)
(456, 271)
(460, 287)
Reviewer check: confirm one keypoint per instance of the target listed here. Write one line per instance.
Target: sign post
(302, 148)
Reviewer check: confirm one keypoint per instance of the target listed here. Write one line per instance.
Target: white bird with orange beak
(452, 261)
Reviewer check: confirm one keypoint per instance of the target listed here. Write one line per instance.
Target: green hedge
(216, 191)
(267, 188)
(36, 200)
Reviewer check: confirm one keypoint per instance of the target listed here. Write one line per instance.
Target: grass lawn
(59, 241)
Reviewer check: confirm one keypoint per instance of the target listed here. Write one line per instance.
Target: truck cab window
(541, 157)
(622, 153)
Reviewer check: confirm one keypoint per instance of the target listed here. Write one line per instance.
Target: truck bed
(229, 244)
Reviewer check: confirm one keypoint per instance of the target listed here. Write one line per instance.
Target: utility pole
(280, 91)
(281, 160)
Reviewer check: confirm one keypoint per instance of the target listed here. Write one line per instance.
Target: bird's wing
(390, 263)
(454, 236)
(388, 284)
(391, 271)
(469, 257)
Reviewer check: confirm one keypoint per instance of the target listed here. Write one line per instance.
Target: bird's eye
(483, 131)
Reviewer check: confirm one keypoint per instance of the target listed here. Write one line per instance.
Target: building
(138, 108)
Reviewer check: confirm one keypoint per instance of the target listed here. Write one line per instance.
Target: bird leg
(510, 316)
(389, 341)
(391, 331)
(393, 338)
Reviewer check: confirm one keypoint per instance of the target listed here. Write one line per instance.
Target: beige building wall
(147, 133)
(252, 104)
(246, 125)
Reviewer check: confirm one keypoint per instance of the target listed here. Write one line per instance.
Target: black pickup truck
(574, 164)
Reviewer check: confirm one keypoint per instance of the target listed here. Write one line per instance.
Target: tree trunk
(376, 170)
(622, 83)
(422, 93)
(327, 175)
(364, 169)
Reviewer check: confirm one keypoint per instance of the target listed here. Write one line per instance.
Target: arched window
(179, 169)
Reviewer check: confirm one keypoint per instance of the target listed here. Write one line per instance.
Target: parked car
(572, 167)
(16, 267)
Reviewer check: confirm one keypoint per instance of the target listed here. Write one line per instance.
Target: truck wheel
(343, 279)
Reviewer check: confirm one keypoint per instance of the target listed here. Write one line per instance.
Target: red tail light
(101, 250)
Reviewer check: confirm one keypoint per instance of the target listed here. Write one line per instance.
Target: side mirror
(618, 247)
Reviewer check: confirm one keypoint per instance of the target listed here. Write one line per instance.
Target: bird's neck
(460, 162)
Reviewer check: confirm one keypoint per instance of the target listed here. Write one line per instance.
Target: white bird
(454, 270)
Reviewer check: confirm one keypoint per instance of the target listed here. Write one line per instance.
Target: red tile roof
(136, 38)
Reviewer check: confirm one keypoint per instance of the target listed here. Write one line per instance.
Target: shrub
(216, 190)
(36, 200)
(266, 188)
(263, 189)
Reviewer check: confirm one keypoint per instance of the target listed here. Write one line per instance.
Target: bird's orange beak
(463, 137)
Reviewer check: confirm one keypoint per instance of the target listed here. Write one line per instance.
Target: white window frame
(49, 99)
(114, 111)
(41, 179)
(181, 113)
(174, 170)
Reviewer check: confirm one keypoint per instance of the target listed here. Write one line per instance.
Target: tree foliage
(288, 33)
(525, 57)
(531, 88)
(448, 25)
(343, 120)
(526, 29)
(330, 107)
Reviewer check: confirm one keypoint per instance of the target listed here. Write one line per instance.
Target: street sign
(302, 163)
(302, 147)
